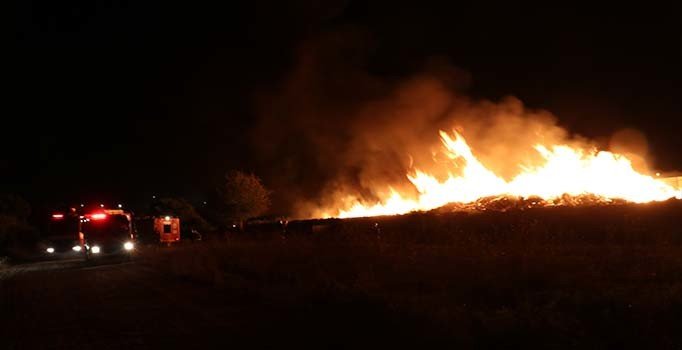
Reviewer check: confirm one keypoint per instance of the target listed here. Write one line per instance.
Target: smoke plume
(335, 127)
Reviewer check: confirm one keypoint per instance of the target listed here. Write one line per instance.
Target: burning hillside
(565, 175)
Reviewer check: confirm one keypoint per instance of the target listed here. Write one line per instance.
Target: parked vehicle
(62, 238)
(168, 229)
(108, 232)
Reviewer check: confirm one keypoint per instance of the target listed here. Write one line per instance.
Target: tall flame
(566, 170)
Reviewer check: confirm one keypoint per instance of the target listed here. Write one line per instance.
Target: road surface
(70, 305)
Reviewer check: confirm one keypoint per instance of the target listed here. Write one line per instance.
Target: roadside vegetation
(597, 277)
(16, 234)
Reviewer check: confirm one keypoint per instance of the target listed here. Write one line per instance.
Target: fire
(565, 170)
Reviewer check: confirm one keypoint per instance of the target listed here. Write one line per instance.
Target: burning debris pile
(512, 203)
(565, 176)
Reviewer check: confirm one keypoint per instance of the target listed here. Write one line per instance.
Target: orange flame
(566, 170)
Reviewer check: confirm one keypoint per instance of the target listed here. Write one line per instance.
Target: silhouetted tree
(242, 196)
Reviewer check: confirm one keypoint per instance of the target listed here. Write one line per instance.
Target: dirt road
(69, 305)
(129, 305)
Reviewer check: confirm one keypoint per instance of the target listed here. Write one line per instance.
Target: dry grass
(601, 277)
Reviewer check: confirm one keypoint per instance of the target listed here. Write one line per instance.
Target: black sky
(124, 99)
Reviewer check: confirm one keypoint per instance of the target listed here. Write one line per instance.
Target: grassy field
(564, 277)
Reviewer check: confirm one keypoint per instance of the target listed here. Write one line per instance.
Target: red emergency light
(57, 216)
(98, 216)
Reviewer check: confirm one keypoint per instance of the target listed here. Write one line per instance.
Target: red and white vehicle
(168, 229)
(62, 239)
(107, 231)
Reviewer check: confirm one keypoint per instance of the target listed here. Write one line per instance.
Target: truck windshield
(66, 227)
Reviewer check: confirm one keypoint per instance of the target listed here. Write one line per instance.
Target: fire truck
(107, 232)
(62, 238)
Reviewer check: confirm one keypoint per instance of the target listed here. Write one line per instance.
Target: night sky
(119, 100)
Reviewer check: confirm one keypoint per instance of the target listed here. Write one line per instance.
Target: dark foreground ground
(584, 278)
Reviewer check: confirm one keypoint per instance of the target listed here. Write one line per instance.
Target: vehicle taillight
(57, 216)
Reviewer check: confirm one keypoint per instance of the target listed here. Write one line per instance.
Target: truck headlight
(50, 250)
(76, 248)
(95, 249)
(128, 246)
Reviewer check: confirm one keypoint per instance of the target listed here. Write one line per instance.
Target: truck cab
(108, 232)
(62, 239)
